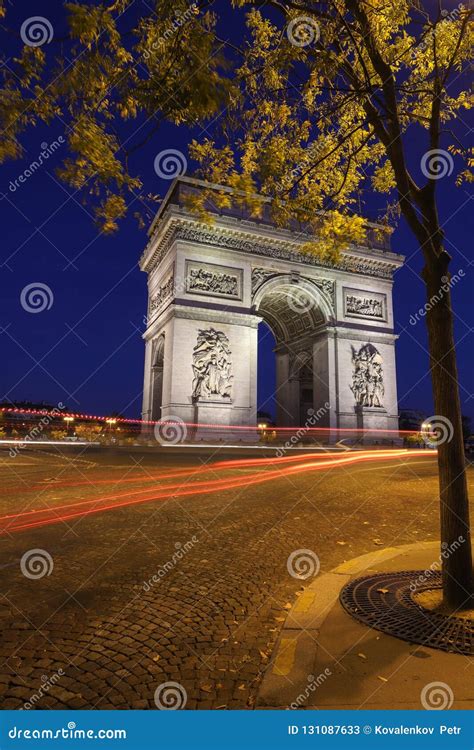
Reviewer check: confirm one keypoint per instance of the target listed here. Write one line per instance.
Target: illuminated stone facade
(209, 287)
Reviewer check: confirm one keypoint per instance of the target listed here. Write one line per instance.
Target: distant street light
(68, 421)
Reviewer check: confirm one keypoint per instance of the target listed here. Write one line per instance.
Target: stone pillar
(146, 408)
(325, 401)
(385, 417)
(239, 407)
(156, 391)
(293, 402)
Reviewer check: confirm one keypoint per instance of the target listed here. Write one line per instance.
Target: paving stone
(212, 622)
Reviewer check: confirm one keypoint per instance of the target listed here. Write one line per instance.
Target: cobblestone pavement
(97, 631)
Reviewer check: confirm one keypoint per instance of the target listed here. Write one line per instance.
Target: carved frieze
(160, 296)
(328, 287)
(191, 231)
(259, 275)
(213, 280)
(367, 376)
(359, 304)
(212, 366)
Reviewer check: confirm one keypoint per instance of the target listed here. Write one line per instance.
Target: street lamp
(68, 421)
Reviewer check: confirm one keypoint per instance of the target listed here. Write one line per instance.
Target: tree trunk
(455, 531)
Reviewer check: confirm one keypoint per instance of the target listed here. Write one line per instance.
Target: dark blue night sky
(87, 350)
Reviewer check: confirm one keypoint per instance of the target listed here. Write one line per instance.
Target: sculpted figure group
(212, 365)
(367, 379)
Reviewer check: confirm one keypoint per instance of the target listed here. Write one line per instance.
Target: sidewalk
(326, 659)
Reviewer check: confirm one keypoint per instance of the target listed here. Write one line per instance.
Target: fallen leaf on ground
(343, 544)
(206, 688)
(383, 591)
(383, 679)
(378, 542)
(362, 656)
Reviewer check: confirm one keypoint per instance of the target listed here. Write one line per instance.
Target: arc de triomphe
(210, 285)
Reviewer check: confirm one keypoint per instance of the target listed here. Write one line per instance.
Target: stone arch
(236, 272)
(298, 312)
(291, 306)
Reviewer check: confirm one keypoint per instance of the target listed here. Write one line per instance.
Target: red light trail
(287, 466)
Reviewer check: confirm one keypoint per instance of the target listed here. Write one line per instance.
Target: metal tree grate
(384, 602)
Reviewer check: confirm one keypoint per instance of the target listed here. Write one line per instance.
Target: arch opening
(266, 374)
(294, 315)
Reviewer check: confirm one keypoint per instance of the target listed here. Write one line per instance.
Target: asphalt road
(160, 567)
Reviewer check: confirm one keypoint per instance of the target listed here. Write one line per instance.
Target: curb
(295, 651)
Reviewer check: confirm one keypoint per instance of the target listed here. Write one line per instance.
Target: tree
(102, 75)
(337, 96)
(322, 100)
